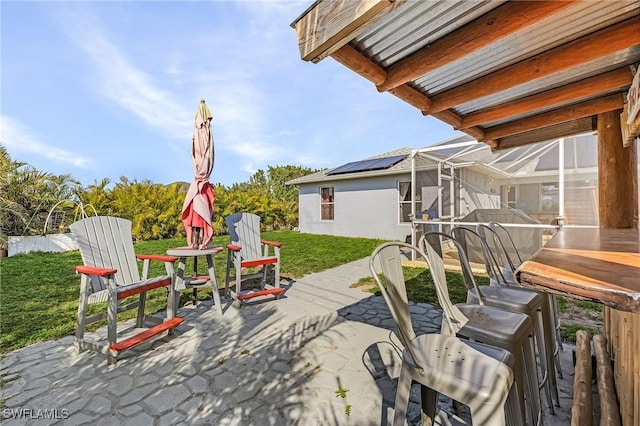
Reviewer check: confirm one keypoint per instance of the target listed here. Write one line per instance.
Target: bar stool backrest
(465, 236)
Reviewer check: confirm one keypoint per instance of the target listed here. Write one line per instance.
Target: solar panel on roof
(367, 165)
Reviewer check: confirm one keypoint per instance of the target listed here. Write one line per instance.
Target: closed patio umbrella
(198, 204)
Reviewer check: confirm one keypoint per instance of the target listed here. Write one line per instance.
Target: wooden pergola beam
(582, 125)
(453, 119)
(328, 25)
(358, 63)
(589, 87)
(595, 45)
(494, 25)
(560, 115)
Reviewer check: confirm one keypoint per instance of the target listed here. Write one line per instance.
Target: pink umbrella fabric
(198, 204)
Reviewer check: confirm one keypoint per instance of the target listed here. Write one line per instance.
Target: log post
(618, 208)
(609, 409)
(581, 410)
(617, 175)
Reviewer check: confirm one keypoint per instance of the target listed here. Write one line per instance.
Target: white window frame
(402, 201)
(329, 204)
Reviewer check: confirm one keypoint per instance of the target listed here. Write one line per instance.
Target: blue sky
(103, 89)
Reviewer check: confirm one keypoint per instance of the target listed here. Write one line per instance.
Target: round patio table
(195, 281)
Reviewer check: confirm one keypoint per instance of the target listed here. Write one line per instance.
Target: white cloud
(19, 139)
(240, 113)
(245, 81)
(237, 103)
(123, 83)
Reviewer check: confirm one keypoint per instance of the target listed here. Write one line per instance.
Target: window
(510, 195)
(404, 198)
(549, 198)
(326, 203)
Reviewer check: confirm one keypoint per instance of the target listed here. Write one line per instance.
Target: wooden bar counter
(602, 265)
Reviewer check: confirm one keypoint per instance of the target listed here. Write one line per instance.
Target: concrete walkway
(324, 354)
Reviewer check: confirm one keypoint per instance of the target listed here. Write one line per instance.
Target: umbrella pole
(195, 237)
(195, 275)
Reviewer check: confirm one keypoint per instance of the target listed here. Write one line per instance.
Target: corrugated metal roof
(393, 39)
(589, 69)
(415, 25)
(408, 27)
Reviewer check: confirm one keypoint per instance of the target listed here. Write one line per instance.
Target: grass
(579, 315)
(592, 306)
(568, 331)
(39, 291)
(420, 286)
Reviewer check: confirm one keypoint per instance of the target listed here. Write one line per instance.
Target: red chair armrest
(271, 243)
(92, 270)
(234, 247)
(160, 257)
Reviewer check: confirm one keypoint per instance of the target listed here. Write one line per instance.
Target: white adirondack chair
(247, 250)
(110, 274)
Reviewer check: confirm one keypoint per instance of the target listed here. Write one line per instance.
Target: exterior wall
(365, 207)
(52, 243)
(477, 192)
(581, 203)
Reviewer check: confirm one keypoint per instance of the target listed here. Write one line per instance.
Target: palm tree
(28, 195)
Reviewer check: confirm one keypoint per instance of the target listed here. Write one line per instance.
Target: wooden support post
(609, 408)
(618, 208)
(617, 175)
(581, 410)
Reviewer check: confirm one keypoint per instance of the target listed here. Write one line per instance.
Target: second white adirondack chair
(110, 274)
(247, 250)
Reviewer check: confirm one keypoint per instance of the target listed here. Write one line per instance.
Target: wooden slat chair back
(110, 274)
(246, 250)
(244, 231)
(101, 251)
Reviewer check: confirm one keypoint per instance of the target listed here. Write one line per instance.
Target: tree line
(31, 199)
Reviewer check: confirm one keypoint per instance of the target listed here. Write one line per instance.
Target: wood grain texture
(576, 127)
(609, 408)
(557, 116)
(330, 25)
(358, 63)
(581, 409)
(622, 330)
(602, 83)
(601, 265)
(617, 175)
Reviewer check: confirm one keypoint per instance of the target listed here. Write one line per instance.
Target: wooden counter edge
(628, 302)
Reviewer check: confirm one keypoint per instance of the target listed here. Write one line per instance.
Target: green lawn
(39, 291)
(420, 286)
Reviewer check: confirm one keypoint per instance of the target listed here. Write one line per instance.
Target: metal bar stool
(514, 299)
(503, 236)
(512, 331)
(471, 373)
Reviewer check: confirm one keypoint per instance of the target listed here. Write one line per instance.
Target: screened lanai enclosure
(464, 181)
